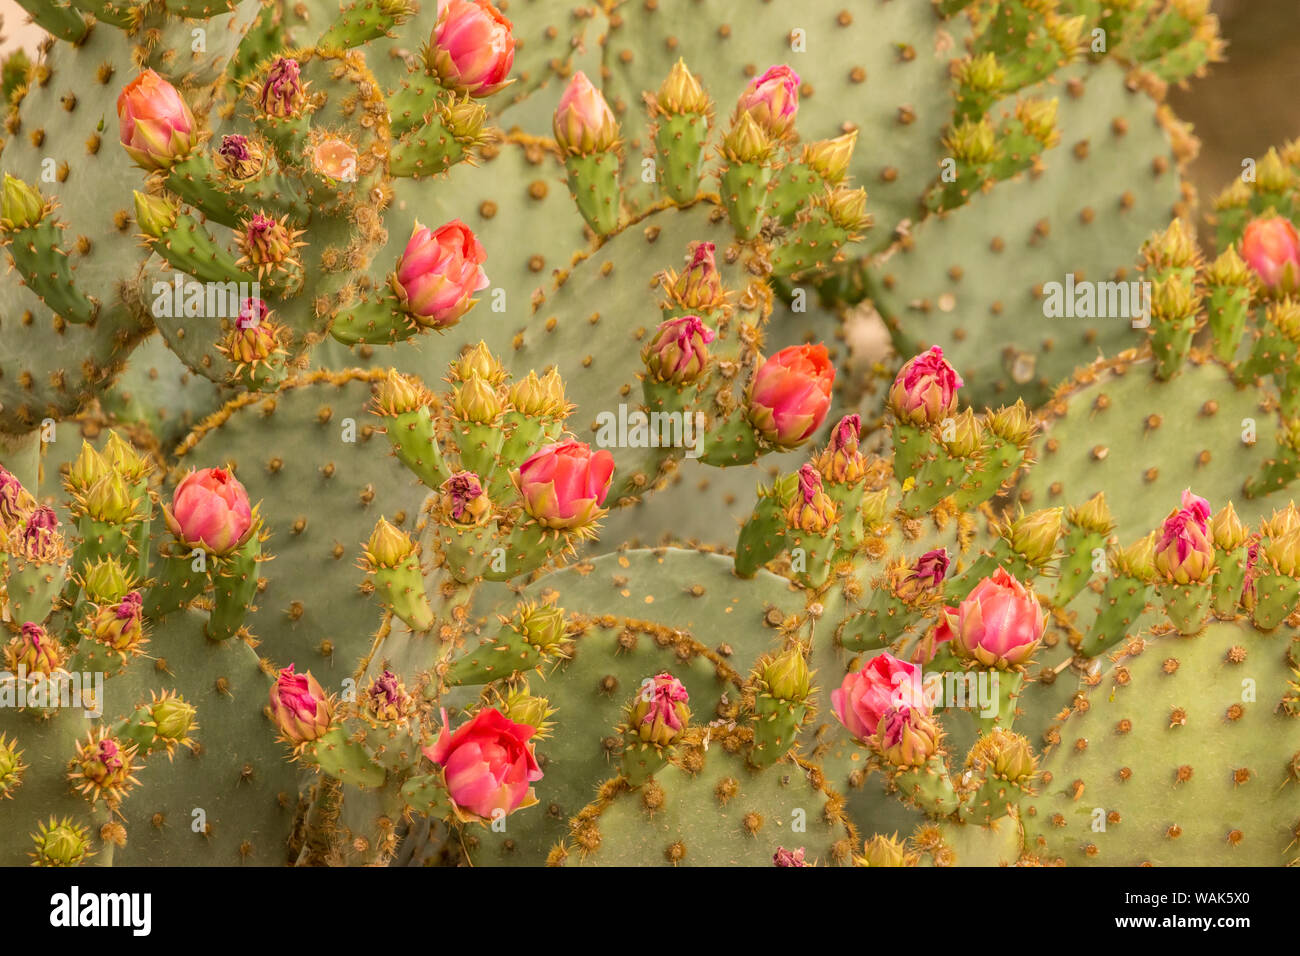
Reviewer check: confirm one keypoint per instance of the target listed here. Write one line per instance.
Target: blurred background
(1239, 110)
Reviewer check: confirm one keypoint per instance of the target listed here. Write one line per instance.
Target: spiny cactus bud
(86, 471)
(787, 676)
(155, 215)
(1038, 117)
(1236, 196)
(472, 48)
(1000, 624)
(103, 768)
(746, 142)
(1173, 299)
(60, 843)
(465, 119)
(1283, 552)
(681, 93)
(1012, 423)
(699, 287)
(1034, 536)
(488, 764)
(966, 437)
(973, 141)
(109, 500)
(1229, 270)
(22, 205)
(784, 857)
(120, 626)
(386, 699)
(1272, 175)
(811, 510)
(791, 393)
(107, 581)
(1005, 755)
(660, 713)
(462, 500)
(125, 460)
(210, 510)
(388, 546)
(479, 360)
(907, 737)
(11, 767)
(1092, 516)
(268, 243)
(41, 540)
(15, 501)
(529, 710)
(1271, 247)
(842, 462)
(921, 584)
(829, 158)
(530, 398)
(283, 94)
(300, 707)
(542, 625)
(583, 122)
(396, 394)
(679, 351)
(172, 720)
(239, 158)
(255, 345)
(1282, 521)
(1175, 248)
(1184, 553)
(156, 126)
(1138, 559)
(982, 73)
(925, 390)
(883, 850)
(772, 101)
(475, 400)
(847, 209)
(438, 274)
(1226, 529)
(564, 485)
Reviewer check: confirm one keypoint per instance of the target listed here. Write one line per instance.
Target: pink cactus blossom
(300, 706)
(472, 48)
(772, 100)
(563, 485)
(1000, 623)
(679, 352)
(156, 127)
(210, 510)
(439, 272)
(488, 764)
(1185, 553)
(864, 696)
(791, 393)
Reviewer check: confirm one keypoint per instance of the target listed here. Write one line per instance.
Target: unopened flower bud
(300, 707)
(396, 394)
(964, 438)
(925, 390)
(107, 581)
(1226, 529)
(907, 737)
(86, 471)
(479, 360)
(173, 720)
(1034, 536)
(11, 767)
(583, 122)
(772, 101)
(1092, 516)
(529, 710)
(1012, 423)
(883, 850)
(921, 584)
(746, 142)
(542, 625)
(679, 351)
(154, 215)
(812, 510)
(829, 158)
(388, 546)
(120, 626)
(22, 205)
(847, 209)
(660, 713)
(787, 676)
(699, 287)
(109, 500)
(1229, 270)
(477, 400)
(842, 461)
(681, 93)
(125, 459)
(1005, 755)
(1138, 559)
(1175, 248)
(60, 843)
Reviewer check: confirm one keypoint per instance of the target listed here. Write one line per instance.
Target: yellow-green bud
(875, 506)
(523, 708)
(1138, 560)
(11, 767)
(1004, 754)
(60, 843)
(883, 850)
(126, 461)
(1272, 175)
(1226, 529)
(1093, 516)
(107, 581)
(747, 142)
(154, 215)
(1175, 248)
(88, 468)
(681, 93)
(542, 625)
(973, 141)
(1229, 270)
(172, 719)
(1012, 423)
(389, 546)
(22, 205)
(396, 394)
(109, 500)
(847, 208)
(479, 360)
(787, 676)
(967, 438)
(477, 400)
(1034, 536)
(982, 73)
(829, 158)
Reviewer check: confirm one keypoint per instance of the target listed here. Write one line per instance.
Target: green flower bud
(173, 720)
(682, 93)
(86, 470)
(542, 625)
(389, 546)
(126, 461)
(479, 360)
(1229, 270)
(1093, 516)
(1005, 755)
(883, 850)
(1226, 529)
(1012, 423)
(786, 675)
(1175, 248)
(22, 205)
(829, 158)
(107, 581)
(982, 73)
(109, 500)
(11, 767)
(1138, 559)
(973, 141)
(1034, 536)
(396, 394)
(154, 215)
(61, 843)
(747, 142)
(476, 400)
(523, 708)
(967, 437)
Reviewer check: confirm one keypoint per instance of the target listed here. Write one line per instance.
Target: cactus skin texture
(455, 592)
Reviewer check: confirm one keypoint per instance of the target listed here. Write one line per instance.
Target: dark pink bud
(282, 92)
(925, 391)
(784, 857)
(251, 313)
(933, 565)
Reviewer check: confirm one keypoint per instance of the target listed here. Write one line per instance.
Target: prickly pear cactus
(440, 434)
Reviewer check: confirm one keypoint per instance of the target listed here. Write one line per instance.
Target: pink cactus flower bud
(41, 539)
(283, 92)
(584, 123)
(925, 391)
(119, 626)
(35, 651)
(812, 510)
(300, 707)
(210, 510)
(679, 352)
(907, 737)
(438, 274)
(1000, 623)
(156, 127)
(842, 461)
(252, 312)
(15, 502)
(700, 286)
(1185, 552)
(488, 764)
(1271, 247)
(660, 713)
(772, 100)
(563, 485)
(784, 857)
(932, 566)
(791, 393)
(472, 48)
(865, 695)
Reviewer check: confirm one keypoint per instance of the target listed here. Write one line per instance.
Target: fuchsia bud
(463, 499)
(157, 128)
(1185, 553)
(1271, 247)
(252, 312)
(584, 124)
(699, 287)
(488, 764)
(15, 502)
(925, 391)
(920, 584)
(660, 714)
(772, 100)
(842, 462)
(784, 857)
(300, 706)
(120, 626)
(438, 274)
(907, 736)
(812, 510)
(791, 393)
(41, 539)
(283, 93)
(864, 696)
(35, 651)
(472, 48)
(210, 510)
(679, 352)
(1000, 623)
(563, 485)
